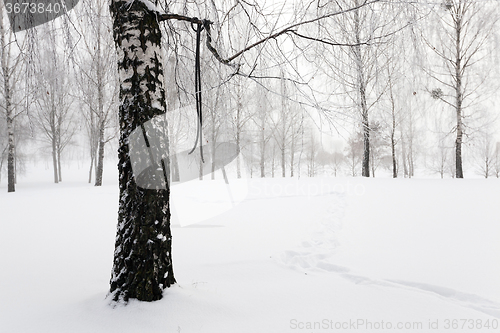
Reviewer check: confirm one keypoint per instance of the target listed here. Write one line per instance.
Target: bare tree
(240, 119)
(440, 153)
(496, 169)
(464, 27)
(282, 123)
(397, 112)
(393, 123)
(263, 125)
(485, 153)
(364, 35)
(10, 59)
(216, 112)
(377, 146)
(97, 80)
(313, 148)
(296, 133)
(354, 151)
(53, 114)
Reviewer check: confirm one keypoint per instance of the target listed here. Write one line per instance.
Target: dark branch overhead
(289, 29)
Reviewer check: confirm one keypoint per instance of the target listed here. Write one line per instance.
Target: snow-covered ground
(295, 255)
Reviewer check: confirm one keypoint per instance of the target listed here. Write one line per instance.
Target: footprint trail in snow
(316, 254)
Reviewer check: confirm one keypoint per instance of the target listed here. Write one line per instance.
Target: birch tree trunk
(142, 266)
(239, 129)
(458, 91)
(59, 172)
(100, 110)
(11, 150)
(100, 153)
(361, 87)
(54, 158)
(9, 112)
(93, 144)
(262, 152)
(393, 130)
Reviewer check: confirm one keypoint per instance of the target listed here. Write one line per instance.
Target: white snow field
(295, 255)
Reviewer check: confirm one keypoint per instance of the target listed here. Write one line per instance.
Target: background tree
(355, 44)
(462, 31)
(497, 160)
(263, 125)
(53, 110)
(11, 107)
(282, 125)
(241, 115)
(377, 146)
(485, 155)
(354, 151)
(97, 80)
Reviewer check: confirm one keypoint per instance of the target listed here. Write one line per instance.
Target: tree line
(401, 86)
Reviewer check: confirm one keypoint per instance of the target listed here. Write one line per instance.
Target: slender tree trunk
(301, 145)
(15, 169)
(251, 161)
(91, 168)
(393, 144)
(238, 134)
(353, 162)
(262, 153)
(365, 171)
(284, 110)
(100, 109)
(272, 163)
(11, 150)
(59, 149)
(238, 149)
(100, 155)
(54, 159)
(459, 99)
(9, 112)
(403, 154)
(200, 170)
(238, 161)
(373, 167)
(142, 265)
(487, 163)
(92, 143)
(59, 172)
(393, 154)
(311, 167)
(393, 129)
(175, 168)
(442, 159)
(411, 164)
(213, 155)
(292, 152)
(283, 162)
(11, 147)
